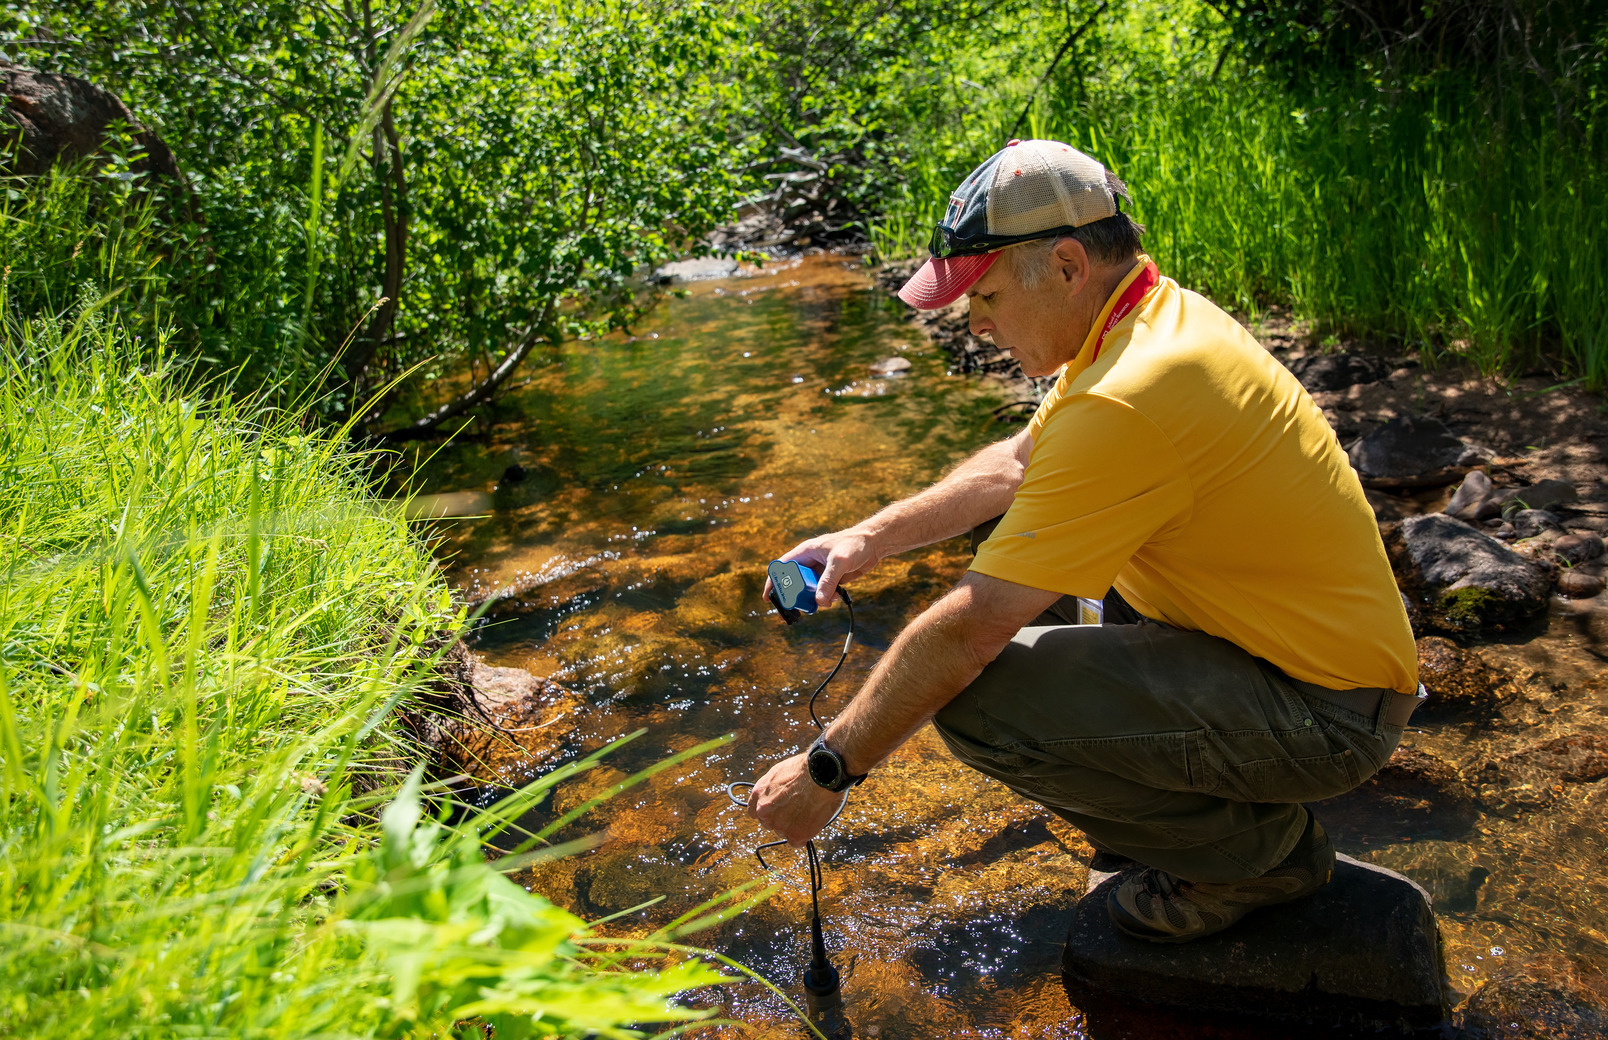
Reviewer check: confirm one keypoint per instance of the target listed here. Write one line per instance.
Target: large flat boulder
(1363, 951)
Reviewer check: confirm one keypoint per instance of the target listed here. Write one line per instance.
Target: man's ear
(1072, 261)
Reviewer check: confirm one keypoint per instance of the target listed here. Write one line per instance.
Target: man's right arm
(977, 490)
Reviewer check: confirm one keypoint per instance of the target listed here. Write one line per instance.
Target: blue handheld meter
(792, 589)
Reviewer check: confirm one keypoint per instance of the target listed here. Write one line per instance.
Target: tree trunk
(394, 209)
(393, 183)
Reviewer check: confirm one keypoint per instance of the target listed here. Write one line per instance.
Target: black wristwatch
(828, 769)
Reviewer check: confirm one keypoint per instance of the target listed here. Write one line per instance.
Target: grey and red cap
(1025, 191)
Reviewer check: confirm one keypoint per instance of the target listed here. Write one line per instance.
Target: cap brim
(942, 282)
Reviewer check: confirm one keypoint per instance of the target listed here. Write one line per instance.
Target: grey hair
(1112, 240)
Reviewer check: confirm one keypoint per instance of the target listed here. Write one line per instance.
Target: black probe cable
(817, 879)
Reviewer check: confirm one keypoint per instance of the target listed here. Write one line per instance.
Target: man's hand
(837, 557)
(977, 490)
(788, 802)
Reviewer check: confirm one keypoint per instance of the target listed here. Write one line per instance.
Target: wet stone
(1470, 580)
(1363, 950)
(1337, 371)
(1411, 451)
(892, 367)
(1578, 584)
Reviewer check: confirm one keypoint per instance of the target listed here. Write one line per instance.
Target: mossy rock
(1473, 607)
(1463, 581)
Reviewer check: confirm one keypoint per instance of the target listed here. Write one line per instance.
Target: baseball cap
(1024, 191)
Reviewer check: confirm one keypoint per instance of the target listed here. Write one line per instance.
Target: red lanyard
(1147, 280)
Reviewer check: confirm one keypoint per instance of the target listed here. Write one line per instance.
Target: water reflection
(660, 473)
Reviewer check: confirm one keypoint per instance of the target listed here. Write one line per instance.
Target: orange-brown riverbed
(663, 471)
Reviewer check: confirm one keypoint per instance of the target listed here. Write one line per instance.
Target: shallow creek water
(662, 472)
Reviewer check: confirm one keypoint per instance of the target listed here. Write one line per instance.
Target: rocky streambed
(657, 474)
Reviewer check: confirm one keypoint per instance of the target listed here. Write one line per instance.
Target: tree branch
(427, 425)
(1070, 40)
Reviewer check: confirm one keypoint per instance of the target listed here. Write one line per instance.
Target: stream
(660, 473)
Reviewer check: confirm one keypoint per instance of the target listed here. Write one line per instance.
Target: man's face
(1039, 327)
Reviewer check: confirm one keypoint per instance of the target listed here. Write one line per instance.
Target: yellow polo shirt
(1190, 470)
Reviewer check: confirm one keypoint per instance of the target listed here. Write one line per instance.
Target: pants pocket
(1255, 768)
(1162, 761)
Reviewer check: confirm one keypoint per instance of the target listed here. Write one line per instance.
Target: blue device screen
(794, 585)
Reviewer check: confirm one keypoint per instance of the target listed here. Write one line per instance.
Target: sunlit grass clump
(1408, 218)
(206, 625)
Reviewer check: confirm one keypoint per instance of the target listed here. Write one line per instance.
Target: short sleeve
(1102, 481)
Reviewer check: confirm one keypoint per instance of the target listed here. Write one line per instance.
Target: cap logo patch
(952, 214)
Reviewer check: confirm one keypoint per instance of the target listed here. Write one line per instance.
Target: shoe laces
(1162, 885)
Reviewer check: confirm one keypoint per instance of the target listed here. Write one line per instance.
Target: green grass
(206, 627)
(1409, 218)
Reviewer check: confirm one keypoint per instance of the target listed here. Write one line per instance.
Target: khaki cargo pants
(1175, 748)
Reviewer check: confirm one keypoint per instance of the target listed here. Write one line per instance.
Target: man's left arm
(931, 661)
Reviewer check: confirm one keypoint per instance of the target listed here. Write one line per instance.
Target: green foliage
(207, 626)
(492, 171)
(1406, 214)
(856, 84)
(459, 941)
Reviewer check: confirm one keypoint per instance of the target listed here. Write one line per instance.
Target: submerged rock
(892, 367)
(1411, 451)
(1459, 680)
(1363, 950)
(1469, 580)
(1415, 795)
(1449, 870)
(1547, 998)
(1535, 777)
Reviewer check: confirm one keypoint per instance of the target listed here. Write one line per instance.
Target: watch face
(825, 769)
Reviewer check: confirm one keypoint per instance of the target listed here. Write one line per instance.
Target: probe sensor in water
(793, 588)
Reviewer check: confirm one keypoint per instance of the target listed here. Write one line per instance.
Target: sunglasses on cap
(945, 243)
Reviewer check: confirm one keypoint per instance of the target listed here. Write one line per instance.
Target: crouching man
(1254, 652)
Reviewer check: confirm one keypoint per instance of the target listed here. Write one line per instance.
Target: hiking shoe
(1155, 905)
